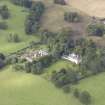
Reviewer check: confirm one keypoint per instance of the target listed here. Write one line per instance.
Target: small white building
(73, 58)
(31, 55)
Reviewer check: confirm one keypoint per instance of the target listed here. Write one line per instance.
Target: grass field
(18, 88)
(16, 25)
(90, 7)
(96, 87)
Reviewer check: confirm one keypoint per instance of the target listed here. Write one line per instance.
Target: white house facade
(73, 58)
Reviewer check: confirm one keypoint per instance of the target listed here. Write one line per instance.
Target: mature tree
(14, 59)
(2, 60)
(47, 36)
(38, 8)
(18, 67)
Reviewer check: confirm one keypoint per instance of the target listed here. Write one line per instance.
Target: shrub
(85, 98)
(11, 60)
(72, 17)
(4, 12)
(96, 29)
(76, 93)
(3, 25)
(13, 38)
(27, 67)
(2, 56)
(62, 2)
(18, 67)
(66, 88)
(2, 63)
(25, 3)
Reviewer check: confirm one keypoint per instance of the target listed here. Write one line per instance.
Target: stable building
(31, 55)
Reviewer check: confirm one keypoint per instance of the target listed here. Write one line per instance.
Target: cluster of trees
(32, 23)
(13, 37)
(81, 46)
(64, 77)
(35, 67)
(96, 29)
(62, 2)
(72, 17)
(84, 97)
(63, 43)
(58, 43)
(4, 12)
(93, 58)
(25, 3)
(93, 62)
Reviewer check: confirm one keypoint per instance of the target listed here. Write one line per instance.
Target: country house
(73, 58)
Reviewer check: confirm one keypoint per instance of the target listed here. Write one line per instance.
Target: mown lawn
(18, 88)
(16, 25)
